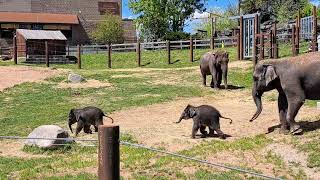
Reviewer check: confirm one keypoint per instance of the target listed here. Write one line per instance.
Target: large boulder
(75, 78)
(50, 132)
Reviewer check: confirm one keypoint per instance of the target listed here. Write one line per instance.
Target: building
(76, 19)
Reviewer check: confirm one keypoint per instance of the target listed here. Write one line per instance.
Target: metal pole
(139, 53)
(261, 47)
(241, 37)
(275, 43)
(298, 33)
(15, 53)
(212, 34)
(109, 152)
(47, 53)
(109, 55)
(315, 35)
(238, 46)
(79, 56)
(68, 50)
(191, 49)
(255, 59)
(270, 44)
(169, 52)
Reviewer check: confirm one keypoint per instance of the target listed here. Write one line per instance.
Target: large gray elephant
(295, 80)
(215, 64)
(204, 116)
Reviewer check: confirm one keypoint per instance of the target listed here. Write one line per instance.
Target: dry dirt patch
(14, 149)
(154, 125)
(91, 83)
(10, 76)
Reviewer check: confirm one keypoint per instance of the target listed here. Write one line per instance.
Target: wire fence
(150, 149)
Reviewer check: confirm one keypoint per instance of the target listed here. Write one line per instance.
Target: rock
(47, 131)
(75, 78)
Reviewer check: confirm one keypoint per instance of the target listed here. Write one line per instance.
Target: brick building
(76, 19)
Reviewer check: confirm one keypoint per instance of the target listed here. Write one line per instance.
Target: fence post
(191, 49)
(47, 53)
(15, 51)
(109, 55)
(238, 46)
(68, 50)
(139, 53)
(270, 44)
(212, 43)
(315, 21)
(169, 52)
(109, 152)
(255, 59)
(298, 34)
(293, 40)
(262, 46)
(241, 38)
(275, 43)
(79, 56)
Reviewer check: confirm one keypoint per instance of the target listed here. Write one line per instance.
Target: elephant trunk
(70, 127)
(180, 119)
(225, 76)
(257, 100)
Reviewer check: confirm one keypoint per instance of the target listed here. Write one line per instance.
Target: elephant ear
(270, 74)
(192, 112)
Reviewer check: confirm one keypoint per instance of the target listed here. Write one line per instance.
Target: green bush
(176, 36)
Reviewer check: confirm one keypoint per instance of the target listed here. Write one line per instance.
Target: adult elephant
(215, 64)
(295, 80)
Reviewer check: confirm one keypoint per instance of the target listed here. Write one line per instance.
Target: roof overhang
(41, 18)
(41, 35)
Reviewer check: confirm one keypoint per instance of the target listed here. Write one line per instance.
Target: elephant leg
(220, 133)
(283, 108)
(214, 83)
(203, 131)
(204, 78)
(195, 129)
(219, 77)
(87, 129)
(95, 128)
(80, 126)
(225, 76)
(295, 101)
(211, 132)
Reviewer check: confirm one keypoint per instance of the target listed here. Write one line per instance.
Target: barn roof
(46, 18)
(41, 34)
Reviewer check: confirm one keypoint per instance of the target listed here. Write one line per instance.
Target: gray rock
(50, 132)
(75, 78)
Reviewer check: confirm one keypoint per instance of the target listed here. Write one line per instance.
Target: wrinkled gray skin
(85, 118)
(295, 81)
(204, 116)
(215, 64)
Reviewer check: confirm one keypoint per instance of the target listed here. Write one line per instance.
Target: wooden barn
(31, 45)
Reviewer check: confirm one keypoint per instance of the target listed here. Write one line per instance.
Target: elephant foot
(203, 135)
(284, 131)
(193, 137)
(223, 136)
(295, 129)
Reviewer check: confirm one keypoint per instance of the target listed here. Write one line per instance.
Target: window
(37, 26)
(111, 7)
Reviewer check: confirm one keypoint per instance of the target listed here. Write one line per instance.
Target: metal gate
(248, 37)
(306, 27)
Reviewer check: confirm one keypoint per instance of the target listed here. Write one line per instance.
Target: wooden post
(275, 43)
(261, 47)
(191, 49)
(15, 51)
(109, 152)
(298, 34)
(79, 56)
(238, 46)
(47, 53)
(109, 55)
(270, 44)
(241, 37)
(68, 50)
(293, 40)
(256, 26)
(139, 53)
(169, 52)
(315, 34)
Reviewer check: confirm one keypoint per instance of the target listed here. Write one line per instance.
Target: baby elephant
(204, 116)
(85, 118)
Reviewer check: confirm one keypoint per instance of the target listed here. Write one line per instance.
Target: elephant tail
(227, 118)
(109, 117)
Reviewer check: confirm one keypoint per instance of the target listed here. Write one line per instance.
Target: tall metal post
(261, 47)
(139, 53)
(109, 152)
(256, 26)
(47, 53)
(275, 42)
(169, 52)
(298, 23)
(241, 37)
(15, 51)
(293, 40)
(191, 49)
(79, 56)
(109, 55)
(315, 34)
(212, 33)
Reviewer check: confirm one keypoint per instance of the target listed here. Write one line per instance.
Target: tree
(157, 17)
(109, 30)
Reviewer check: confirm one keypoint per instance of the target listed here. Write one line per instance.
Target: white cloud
(198, 15)
(315, 2)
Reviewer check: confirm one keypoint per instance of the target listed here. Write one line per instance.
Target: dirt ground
(10, 76)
